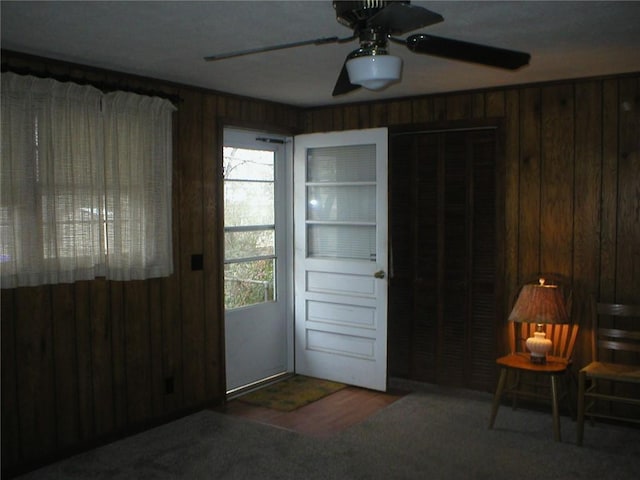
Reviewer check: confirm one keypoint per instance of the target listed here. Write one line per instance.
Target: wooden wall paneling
(628, 236)
(101, 357)
(252, 110)
(137, 351)
(510, 102)
(458, 107)
(322, 120)
(172, 357)
(230, 107)
(440, 108)
(478, 105)
(494, 103)
(609, 195)
(171, 307)
(399, 112)
(36, 385)
(10, 408)
(338, 119)
(351, 117)
(364, 116)
(213, 256)
(556, 226)
(191, 243)
(65, 364)
(529, 184)
(628, 216)
(83, 347)
(422, 110)
(118, 354)
(586, 218)
(154, 312)
(379, 115)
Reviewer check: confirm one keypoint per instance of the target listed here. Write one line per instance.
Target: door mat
(292, 393)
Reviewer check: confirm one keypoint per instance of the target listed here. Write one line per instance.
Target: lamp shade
(374, 72)
(540, 304)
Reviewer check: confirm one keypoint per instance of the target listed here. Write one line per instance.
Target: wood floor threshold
(322, 418)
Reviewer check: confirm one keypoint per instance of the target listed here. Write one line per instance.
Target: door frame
(287, 182)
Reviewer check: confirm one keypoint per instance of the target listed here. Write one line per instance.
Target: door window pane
(249, 244)
(248, 203)
(342, 203)
(355, 163)
(249, 283)
(342, 241)
(249, 217)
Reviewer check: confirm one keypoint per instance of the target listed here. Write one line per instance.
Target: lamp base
(538, 345)
(538, 359)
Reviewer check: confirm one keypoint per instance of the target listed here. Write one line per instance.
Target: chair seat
(613, 371)
(522, 361)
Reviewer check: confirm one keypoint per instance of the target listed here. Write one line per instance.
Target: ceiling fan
(374, 24)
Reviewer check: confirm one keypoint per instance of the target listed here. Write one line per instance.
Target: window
(86, 183)
(249, 212)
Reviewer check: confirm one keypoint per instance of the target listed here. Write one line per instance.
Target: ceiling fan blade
(240, 53)
(399, 18)
(343, 84)
(468, 52)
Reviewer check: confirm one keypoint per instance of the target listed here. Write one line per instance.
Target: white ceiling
(168, 40)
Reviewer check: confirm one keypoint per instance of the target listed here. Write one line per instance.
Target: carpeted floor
(434, 433)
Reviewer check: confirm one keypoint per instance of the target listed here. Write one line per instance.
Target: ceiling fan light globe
(374, 72)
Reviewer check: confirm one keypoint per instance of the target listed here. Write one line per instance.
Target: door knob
(379, 274)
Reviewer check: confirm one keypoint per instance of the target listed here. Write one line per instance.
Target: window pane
(248, 203)
(249, 244)
(248, 283)
(344, 204)
(342, 241)
(246, 164)
(342, 164)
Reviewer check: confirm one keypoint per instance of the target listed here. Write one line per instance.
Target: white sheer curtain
(85, 191)
(138, 172)
(52, 182)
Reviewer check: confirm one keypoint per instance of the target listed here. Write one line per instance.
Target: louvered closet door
(452, 337)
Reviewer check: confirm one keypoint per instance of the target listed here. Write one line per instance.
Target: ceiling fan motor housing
(355, 14)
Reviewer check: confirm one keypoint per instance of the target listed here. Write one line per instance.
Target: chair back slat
(618, 310)
(617, 329)
(562, 336)
(615, 345)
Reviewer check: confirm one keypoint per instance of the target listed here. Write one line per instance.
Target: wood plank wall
(84, 362)
(571, 183)
(90, 361)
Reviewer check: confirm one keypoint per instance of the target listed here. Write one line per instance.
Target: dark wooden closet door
(443, 210)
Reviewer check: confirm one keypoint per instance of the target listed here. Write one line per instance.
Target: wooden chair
(616, 362)
(518, 363)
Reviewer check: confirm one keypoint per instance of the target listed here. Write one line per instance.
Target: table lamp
(539, 304)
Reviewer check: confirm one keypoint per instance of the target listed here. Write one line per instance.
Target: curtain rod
(104, 87)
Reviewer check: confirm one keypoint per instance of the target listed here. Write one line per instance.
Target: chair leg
(496, 398)
(582, 380)
(554, 405)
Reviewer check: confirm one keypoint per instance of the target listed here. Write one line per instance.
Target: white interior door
(341, 242)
